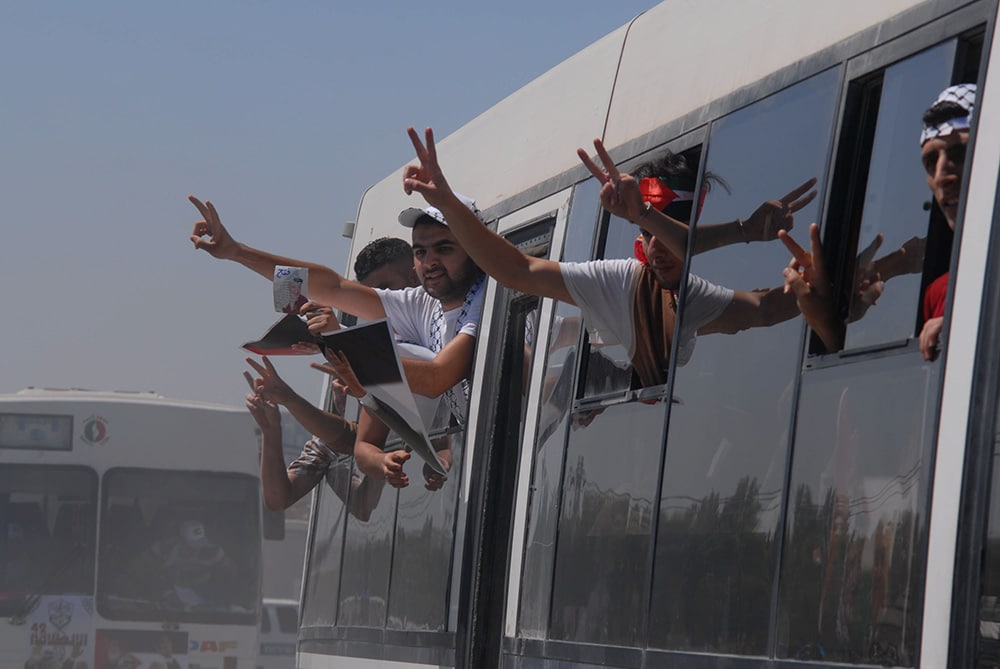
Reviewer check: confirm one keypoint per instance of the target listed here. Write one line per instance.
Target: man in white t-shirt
(629, 302)
(441, 314)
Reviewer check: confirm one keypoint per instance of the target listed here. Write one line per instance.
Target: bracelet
(368, 401)
(743, 232)
(647, 206)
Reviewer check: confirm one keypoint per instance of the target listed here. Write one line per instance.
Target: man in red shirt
(942, 151)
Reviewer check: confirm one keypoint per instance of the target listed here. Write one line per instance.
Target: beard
(453, 288)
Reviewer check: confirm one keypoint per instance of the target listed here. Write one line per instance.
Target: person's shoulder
(415, 295)
(698, 287)
(602, 266)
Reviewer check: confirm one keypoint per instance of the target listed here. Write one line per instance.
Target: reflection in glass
(608, 367)
(47, 533)
(989, 601)
(364, 585)
(605, 524)
(556, 400)
(422, 551)
(179, 545)
(894, 217)
(852, 569)
(728, 435)
(558, 393)
(320, 591)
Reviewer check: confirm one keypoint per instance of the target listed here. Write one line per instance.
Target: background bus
(131, 532)
(785, 505)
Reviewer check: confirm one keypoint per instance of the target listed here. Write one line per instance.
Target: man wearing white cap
(442, 314)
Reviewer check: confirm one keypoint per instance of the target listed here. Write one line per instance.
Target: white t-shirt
(410, 313)
(605, 292)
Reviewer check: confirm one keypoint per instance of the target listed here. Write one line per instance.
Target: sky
(282, 113)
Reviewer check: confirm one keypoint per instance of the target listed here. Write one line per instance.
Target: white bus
(130, 532)
(786, 506)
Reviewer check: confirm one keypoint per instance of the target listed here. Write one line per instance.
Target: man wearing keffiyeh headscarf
(943, 142)
(942, 151)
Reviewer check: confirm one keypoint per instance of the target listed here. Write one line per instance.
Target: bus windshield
(179, 546)
(47, 544)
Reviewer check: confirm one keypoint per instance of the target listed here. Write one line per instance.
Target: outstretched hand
(807, 277)
(392, 468)
(426, 178)
(339, 367)
(773, 216)
(270, 386)
(218, 243)
(263, 411)
(620, 193)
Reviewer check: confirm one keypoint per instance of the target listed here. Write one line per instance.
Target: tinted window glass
(894, 217)
(989, 601)
(320, 591)
(422, 550)
(364, 585)
(727, 442)
(558, 393)
(179, 545)
(605, 524)
(47, 533)
(852, 570)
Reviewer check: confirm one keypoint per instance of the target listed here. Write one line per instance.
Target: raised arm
(453, 363)
(372, 460)
(807, 278)
(621, 195)
(762, 226)
(337, 432)
(494, 254)
(280, 488)
(325, 285)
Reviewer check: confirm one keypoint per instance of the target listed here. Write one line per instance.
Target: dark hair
(379, 253)
(944, 111)
(672, 164)
(675, 165)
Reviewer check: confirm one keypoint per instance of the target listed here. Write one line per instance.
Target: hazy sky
(281, 113)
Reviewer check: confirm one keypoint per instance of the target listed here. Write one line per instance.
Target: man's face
(944, 162)
(443, 267)
(667, 268)
(393, 276)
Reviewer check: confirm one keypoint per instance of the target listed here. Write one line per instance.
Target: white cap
(409, 217)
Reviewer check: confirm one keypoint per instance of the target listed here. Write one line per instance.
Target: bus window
(194, 554)
(47, 535)
(367, 554)
(852, 578)
(882, 285)
(320, 589)
(422, 547)
(605, 525)
(728, 435)
(852, 570)
(558, 394)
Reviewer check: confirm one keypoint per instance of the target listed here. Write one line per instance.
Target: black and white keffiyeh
(964, 95)
(437, 336)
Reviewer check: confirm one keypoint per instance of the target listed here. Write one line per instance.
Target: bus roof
(529, 139)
